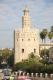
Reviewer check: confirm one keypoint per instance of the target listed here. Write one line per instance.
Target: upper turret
(26, 20)
(26, 11)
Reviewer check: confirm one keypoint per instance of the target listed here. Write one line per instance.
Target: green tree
(5, 53)
(50, 35)
(10, 60)
(31, 55)
(45, 32)
(32, 65)
(52, 29)
(44, 52)
(1, 59)
(42, 36)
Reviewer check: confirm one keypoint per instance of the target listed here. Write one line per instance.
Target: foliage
(50, 35)
(44, 52)
(31, 55)
(29, 65)
(10, 60)
(5, 53)
(43, 34)
(52, 29)
(1, 59)
(34, 66)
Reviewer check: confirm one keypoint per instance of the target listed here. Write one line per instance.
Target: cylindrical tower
(26, 20)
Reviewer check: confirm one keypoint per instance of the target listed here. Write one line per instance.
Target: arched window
(34, 39)
(22, 39)
(22, 50)
(34, 50)
(17, 39)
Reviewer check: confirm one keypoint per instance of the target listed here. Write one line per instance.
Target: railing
(40, 75)
(32, 76)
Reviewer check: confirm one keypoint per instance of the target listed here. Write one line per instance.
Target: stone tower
(26, 40)
(26, 20)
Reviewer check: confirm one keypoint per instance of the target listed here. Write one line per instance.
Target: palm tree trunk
(44, 43)
(42, 40)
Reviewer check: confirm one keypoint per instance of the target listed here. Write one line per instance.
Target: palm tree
(50, 35)
(1, 59)
(42, 36)
(45, 34)
(52, 29)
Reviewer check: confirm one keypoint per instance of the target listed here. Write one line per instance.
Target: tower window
(29, 39)
(34, 39)
(34, 50)
(22, 50)
(17, 39)
(22, 39)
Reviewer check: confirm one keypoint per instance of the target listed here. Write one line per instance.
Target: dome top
(26, 10)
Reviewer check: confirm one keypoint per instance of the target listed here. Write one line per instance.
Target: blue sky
(11, 11)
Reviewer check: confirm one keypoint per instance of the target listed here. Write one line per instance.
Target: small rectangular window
(22, 39)
(17, 39)
(34, 50)
(29, 39)
(22, 50)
